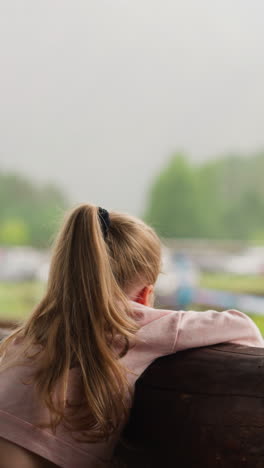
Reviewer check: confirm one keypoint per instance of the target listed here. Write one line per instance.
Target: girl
(67, 374)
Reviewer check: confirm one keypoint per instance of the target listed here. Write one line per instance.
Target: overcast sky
(97, 94)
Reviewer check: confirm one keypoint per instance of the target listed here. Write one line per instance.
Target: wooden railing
(201, 408)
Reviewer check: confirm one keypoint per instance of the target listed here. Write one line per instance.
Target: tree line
(218, 199)
(29, 213)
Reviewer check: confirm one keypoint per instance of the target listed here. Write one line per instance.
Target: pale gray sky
(97, 94)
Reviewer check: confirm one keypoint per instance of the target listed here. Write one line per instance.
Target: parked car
(249, 262)
(19, 263)
(212, 262)
(42, 272)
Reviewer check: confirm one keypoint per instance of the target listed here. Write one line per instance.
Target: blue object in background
(187, 280)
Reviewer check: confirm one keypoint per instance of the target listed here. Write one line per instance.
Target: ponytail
(84, 321)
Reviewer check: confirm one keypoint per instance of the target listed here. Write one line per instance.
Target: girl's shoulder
(144, 315)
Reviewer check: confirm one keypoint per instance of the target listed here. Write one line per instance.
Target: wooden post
(201, 408)
(6, 328)
(4, 332)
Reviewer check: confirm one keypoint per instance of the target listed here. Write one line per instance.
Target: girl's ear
(143, 295)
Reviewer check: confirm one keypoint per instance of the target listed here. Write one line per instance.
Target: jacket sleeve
(175, 331)
(197, 329)
(170, 331)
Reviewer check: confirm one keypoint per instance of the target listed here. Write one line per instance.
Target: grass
(259, 321)
(18, 299)
(233, 283)
(236, 284)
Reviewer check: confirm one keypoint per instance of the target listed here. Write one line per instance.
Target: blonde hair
(85, 311)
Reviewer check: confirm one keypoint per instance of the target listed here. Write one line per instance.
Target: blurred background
(151, 107)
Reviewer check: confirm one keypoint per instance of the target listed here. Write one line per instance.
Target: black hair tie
(104, 221)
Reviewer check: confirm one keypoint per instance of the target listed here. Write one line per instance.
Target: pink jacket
(161, 332)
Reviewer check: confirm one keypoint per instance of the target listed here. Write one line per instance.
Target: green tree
(174, 205)
(14, 231)
(38, 208)
(222, 198)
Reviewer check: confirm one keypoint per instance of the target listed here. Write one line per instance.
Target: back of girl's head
(134, 252)
(85, 311)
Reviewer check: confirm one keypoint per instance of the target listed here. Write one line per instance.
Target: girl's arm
(165, 332)
(195, 329)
